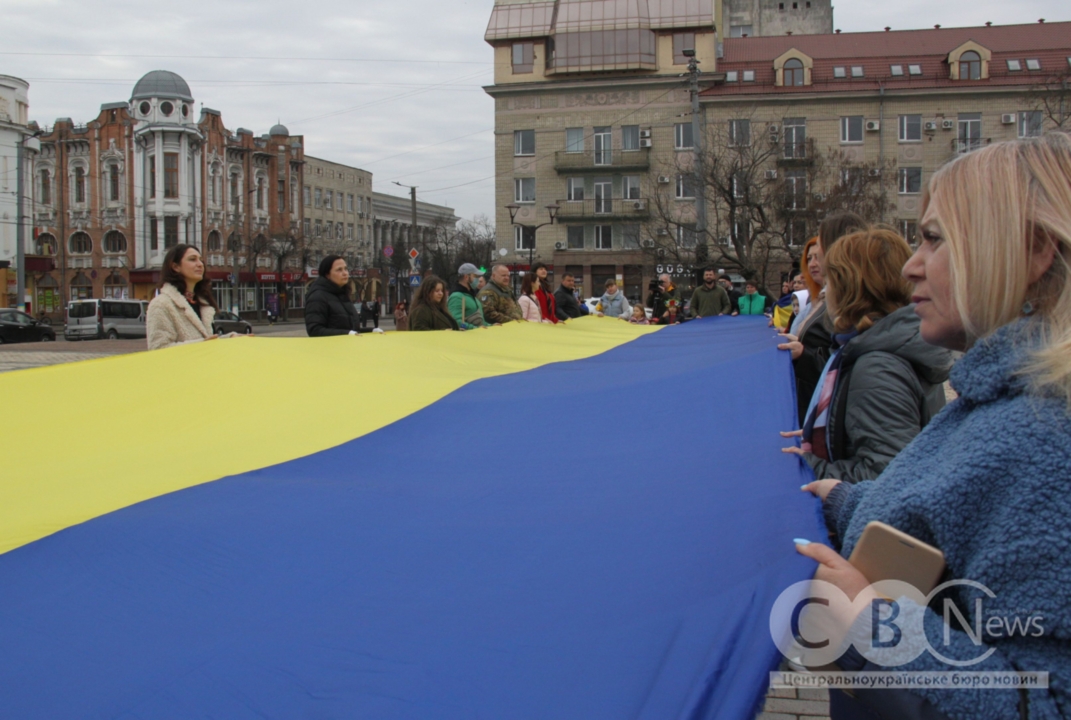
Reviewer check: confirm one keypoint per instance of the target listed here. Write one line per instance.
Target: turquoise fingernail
(804, 487)
(801, 541)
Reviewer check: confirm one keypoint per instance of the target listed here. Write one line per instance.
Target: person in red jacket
(547, 306)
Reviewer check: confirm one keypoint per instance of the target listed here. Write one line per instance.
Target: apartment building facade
(338, 209)
(899, 103)
(591, 102)
(14, 132)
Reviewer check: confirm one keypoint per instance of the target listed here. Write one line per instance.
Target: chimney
(788, 33)
(887, 28)
(936, 27)
(1041, 20)
(837, 31)
(989, 24)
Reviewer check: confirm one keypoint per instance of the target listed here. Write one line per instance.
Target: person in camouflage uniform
(499, 303)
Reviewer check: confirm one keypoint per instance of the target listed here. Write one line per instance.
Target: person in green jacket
(429, 309)
(464, 305)
(710, 298)
(752, 302)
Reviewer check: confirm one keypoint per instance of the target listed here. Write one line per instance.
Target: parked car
(228, 322)
(112, 319)
(17, 326)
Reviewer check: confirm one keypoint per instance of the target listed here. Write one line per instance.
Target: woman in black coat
(328, 308)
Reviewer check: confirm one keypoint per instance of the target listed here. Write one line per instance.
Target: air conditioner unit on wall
(559, 246)
(664, 180)
(1007, 119)
(639, 204)
(930, 126)
(645, 133)
(663, 231)
(875, 172)
(771, 174)
(948, 124)
(773, 129)
(873, 125)
(649, 243)
(645, 142)
(819, 197)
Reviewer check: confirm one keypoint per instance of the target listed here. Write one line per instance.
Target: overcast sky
(391, 86)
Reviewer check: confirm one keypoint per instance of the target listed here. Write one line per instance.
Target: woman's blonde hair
(863, 278)
(994, 207)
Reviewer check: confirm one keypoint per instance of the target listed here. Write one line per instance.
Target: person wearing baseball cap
(464, 305)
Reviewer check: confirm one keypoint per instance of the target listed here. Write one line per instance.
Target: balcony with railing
(602, 161)
(603, 209)
(962, 146)
(793, 152)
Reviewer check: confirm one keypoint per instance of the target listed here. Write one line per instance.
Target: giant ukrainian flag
(581, 521)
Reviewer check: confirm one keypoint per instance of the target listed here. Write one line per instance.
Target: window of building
(896, 70)
(154, 234)
(524, 142)
(282, 195)
(574, 140)
(603, 146)
(329, 199)
(797, 232)
(910, 128)
(215, 241)
(909, 230)
(81, 287)
(630, 137)
(732, 76)
(339, 231)
(796, 189)
(736, 31)
(317, 195)
(910, 180)
(741, 231)
(318, 230)
(1030, 123)
(630, 187)
(604, 194)
(604, 237)
(171, 175)
(681, 42)
(1032, 64)
(306, 227)
(575, 237)
(340, 200)
(113, 182)
(170, 231)
(349, 203)
(213, 187)
(685, 187)
(329, 229)
(854, 179)
(857, 71)
(630, 237)
(851, 129)
(260, 193)
(840, 71)
(46, 188)
(575, 189)
(738, 185)
(79, 185)
(739, 133)
(795, 133)
(686, 236)
(749, 76)
(523, 57)
(970, 66)
(914, 69)
(1014, 66)
(793, 73)
(523, 237)
(349, 231)
(524, 190)
(114, 242)
(308, 196)
(45, 245)
(969, 135)
(682, 136)
(80, 244)
(235, 194)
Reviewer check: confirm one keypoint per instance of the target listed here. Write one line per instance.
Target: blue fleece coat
(988, 481)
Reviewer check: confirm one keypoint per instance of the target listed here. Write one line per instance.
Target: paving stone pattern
(800, 704)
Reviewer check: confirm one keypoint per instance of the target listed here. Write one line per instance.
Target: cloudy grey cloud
(390, 86)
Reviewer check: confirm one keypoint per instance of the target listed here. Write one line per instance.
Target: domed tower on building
(167, 162)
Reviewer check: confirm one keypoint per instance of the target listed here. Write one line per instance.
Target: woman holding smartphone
(988, 482)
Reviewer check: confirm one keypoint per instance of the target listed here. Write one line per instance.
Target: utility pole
(697, 141)
(20, 220)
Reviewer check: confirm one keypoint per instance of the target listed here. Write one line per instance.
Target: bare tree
(765, 189)
(1052, 97)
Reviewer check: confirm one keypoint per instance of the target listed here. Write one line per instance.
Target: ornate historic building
(110, 197)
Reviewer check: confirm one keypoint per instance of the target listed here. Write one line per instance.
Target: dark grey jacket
(889, 387)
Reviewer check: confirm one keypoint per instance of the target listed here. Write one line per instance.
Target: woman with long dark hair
(183, 310)
(429, 309)
(328, 307)
(548, 308)
(528, 302)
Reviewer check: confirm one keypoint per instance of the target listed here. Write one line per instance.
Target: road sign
(414, 281)
(388, 251)
(414, 273)
(414, 253)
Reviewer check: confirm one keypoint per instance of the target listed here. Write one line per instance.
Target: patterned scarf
(815, 439)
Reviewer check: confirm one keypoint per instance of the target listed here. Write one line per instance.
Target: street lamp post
(552, 210)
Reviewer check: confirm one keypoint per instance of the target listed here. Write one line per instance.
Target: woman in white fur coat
(184, 309)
